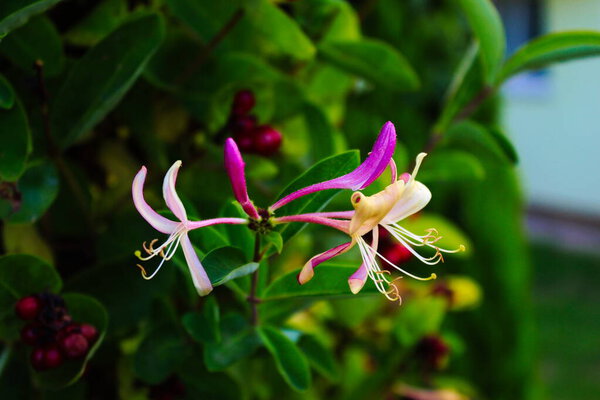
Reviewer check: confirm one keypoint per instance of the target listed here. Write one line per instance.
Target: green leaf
(331, 279)
(204, 327)
(22, 275)
(37, 40)
(274, 240)
(225, 264)
(14, 13)
(83, 309)
(7, 94)
(418, 318)
(98, 23)
(159, 355)
(38, 187)
(115, 63)
(504, 143)
(469, 135)
(319, 356)
(291, 363)
(373, 60)
(489, 32)
(326, 169)
(279, 29)
(15, 139)
(321, 131)
(446, 165)
(239, 340)
(551, 48)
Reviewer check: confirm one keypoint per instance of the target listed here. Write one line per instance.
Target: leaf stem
(252, 299)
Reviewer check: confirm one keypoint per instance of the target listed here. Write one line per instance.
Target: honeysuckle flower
(177, 230)
(362, 176)
(234, 164)
(402, 198)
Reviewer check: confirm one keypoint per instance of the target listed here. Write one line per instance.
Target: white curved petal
(199, 276)
(415, 197)
(170, 195)
(157, 221)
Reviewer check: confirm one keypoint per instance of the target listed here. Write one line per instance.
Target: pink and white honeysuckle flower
(177, 230)
(404, 197)
(234, 164)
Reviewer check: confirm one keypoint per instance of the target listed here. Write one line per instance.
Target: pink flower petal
(362, 176)
(358, 279)
(199, 276)
(308, 270)
(341, 225)
(170, 195)
(157, 221)
(234, 164)
(214, 221)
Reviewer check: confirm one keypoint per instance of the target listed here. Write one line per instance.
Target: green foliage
(14, 13)
(15, 137)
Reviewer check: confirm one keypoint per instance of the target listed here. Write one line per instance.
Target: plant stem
(252, 299)
(211, 45)
(53, 149)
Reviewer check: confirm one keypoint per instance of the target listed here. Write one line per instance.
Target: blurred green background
(91, 90)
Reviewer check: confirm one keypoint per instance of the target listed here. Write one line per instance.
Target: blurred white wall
(554, 120)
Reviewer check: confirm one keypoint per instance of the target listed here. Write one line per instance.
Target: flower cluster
(403, 197)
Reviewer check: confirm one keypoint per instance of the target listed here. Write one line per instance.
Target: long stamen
(427, 240)
(378, 276)
(154, 252)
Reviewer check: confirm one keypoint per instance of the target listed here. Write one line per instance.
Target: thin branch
(211, 45)
(252, 299)
(53, 148)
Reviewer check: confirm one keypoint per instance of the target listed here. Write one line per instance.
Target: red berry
(397, 254)
(267, 140)
(245, 142)
(89, 332)
(52, 357)
(37, 358)
(243, 124)
(75, 345)
(243, 102)
(28, 307)
(30, 334)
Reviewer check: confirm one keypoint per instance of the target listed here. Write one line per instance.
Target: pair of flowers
(403, 197)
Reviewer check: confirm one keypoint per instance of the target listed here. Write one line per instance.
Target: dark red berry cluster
(249, 136)
(432, 350)
(52, 332)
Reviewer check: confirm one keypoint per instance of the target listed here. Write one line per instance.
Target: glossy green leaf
(7, 94)
(159, 355)
(281, 31)
(225, 264)
(489, 32)
(319, 356)
(274, 240)
(83, 309)
(551, 48)
(373, 60)
(291, 363)
(326, 169)
(446, 165)
(14, 13)
(22, 275)
(478, 140)
(37, 40)
(38, 187)
(505, 144)
(331, 279)
(418, 318)
(15, 139)
(239, 340)
(115, 63)
(204, 326)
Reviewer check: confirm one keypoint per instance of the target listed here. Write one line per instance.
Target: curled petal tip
(306, 274)
(170, 194)
(355, 285)
(157, 221)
